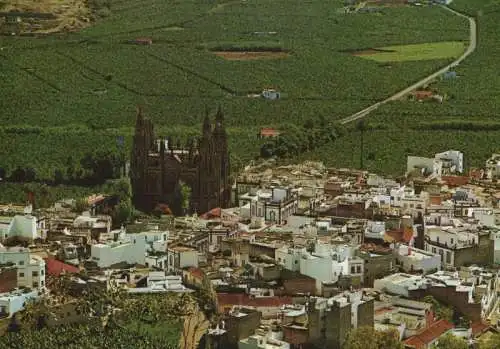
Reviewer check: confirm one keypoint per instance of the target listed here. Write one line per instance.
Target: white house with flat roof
(129, 250)
(181, 257)
(23, 227)
(30, 267)
(412, 259)
(399, 284)
(12, 302)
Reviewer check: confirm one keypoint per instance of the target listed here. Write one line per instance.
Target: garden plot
(415, 52)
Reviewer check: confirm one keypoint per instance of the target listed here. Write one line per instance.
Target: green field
(416, 52)
(467, 120)
(74, 93)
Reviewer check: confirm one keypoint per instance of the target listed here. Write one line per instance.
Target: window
(34, 273)
(448, 257)
(451, 241)
(21, 262)
(358, 269)
(42, 272)
(353, 270)
(42, 283)
(21, 275)
(35, 284)
(433, 250)
(296, 262)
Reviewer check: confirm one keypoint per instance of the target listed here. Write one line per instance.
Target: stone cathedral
(158, 165)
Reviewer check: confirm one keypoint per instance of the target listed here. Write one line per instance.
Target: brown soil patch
(247, 56)
(70, 15)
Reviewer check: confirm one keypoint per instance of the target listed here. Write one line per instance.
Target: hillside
(468, 120)
(68, 15)
(79, 90)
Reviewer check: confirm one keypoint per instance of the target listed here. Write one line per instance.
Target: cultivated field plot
(207, 53)
(415, 52)
(467, 120)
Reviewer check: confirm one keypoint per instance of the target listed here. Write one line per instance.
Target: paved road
(400, 94)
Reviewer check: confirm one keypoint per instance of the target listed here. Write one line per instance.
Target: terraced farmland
(81, 88)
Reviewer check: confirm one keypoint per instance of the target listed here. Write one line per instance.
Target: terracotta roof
(56, 268)
(479, 327)
(225, 299)
(269, 132)
(429, 335)
(213, 213)
(423, 94)
(196, 272)
(399, 235)
(455, 181)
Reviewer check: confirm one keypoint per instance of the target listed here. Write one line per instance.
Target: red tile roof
(196, 272)
(429, 335)
(478, 328)
(399, 235)
(213, 213)
(455, 181)
(422, 94)
(269, 132)
(56, 268)
(227, 299)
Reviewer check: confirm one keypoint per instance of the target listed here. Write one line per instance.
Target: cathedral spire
(219, 119)
(207, 128)
(140, 116)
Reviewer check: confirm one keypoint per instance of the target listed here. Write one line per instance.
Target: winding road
(472, 47)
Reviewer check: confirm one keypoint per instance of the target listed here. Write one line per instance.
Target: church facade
(158, 166)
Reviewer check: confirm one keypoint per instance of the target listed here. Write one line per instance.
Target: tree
(441, 311)
(367, 337)
(492, 342)
(449, 341)
(81, 205)
(58, 176)
(18, 175)
(122, 213)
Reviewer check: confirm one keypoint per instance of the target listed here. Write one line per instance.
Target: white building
(131, 251)
(24, 227)
(181, 257)
(326, 264)
(274, 205)
(445, 163)
(399, 284)
(289, 257)
(399, 194)
(375, 230)
(155, 239)
(262, 341)
(445, 241)
(493, 166)
(413, 260)
(13, 302)
(455, 159)
(271, 94)
(158, 282)
(30, 267)
(101, 223)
